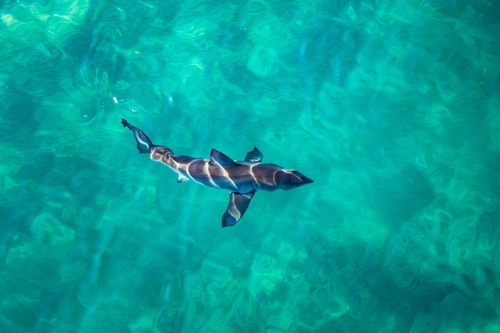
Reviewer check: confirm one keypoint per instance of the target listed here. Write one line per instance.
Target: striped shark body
(241, 178)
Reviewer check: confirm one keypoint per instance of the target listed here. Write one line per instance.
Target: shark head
(288, 179)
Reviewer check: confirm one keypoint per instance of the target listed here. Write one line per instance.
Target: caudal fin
(143, 142)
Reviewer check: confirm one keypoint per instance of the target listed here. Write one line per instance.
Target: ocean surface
(392, 107)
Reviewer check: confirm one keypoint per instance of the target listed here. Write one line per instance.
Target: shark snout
(299, 179)
(288, 179)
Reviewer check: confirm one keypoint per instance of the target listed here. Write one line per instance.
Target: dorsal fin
(254, 156)
(220, 158)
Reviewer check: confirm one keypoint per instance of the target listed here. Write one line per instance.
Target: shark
(241, 178)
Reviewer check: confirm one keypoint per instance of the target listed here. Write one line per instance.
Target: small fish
(242, 178)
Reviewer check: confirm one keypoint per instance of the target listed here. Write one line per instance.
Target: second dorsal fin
(182, 178)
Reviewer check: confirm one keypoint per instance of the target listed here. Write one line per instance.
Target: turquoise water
(391, 107)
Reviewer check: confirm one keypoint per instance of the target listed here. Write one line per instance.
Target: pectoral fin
(254, 156)
(238, 204)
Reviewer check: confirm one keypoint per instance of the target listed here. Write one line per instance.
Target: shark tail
(144, 144)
